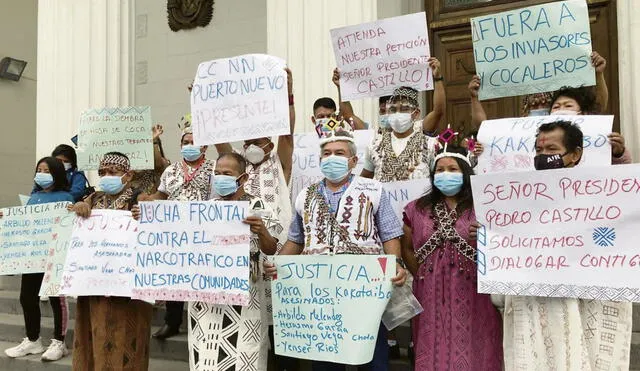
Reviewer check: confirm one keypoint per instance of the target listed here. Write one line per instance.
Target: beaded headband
(405, 92)
(326, 128)
(120, 162)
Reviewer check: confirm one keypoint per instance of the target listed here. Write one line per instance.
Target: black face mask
(548, 162)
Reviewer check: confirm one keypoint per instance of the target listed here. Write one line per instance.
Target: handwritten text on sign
(101, 255)
(533, 50)
(193, 251)
(510, 144)
(564, 233)
(377, 57)
(126, 130)
(306, 159)
(403, 192)
(318, 303)
(54, 268)
(26, 235)
(239, 98)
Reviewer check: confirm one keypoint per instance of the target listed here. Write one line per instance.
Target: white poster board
(377, 57)
(403, 192)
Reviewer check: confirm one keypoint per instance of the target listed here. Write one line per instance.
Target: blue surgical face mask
(448, 183)
(44, 180)
(111, 185)
(225, 185)
(191, 153)
(335, 168)
(539, 112)
(384, 121)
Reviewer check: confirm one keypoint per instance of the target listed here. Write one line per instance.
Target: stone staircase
(169, 355)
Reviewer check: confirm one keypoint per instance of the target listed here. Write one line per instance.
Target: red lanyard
(188, 177)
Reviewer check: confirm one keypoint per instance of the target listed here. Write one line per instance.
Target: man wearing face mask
(324, 223)
(584, 334)
(186, 180)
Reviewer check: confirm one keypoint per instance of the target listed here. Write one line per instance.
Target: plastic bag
(402, 306)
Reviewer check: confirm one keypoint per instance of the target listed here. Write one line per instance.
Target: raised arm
(346, 110)
(477, 111)
(432, 120)
(285, 142)
(159, 162)
(602, 92)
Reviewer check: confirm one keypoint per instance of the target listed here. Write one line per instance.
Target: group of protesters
(434, 243)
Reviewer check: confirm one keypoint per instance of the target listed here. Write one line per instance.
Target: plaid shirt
(389, 226)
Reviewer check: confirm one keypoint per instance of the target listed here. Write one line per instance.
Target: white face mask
(400, 122)
(67, 166)
(254, 154)
(564, 112)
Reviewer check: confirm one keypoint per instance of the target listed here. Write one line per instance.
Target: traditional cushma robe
(231, 337)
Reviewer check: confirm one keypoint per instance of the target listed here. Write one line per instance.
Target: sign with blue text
(124, 129)
(533, 50)
(100, 256)
(193, 251)
(27, 233)
(559, 233)
(510, 144)
(239, 98)
(328, 308)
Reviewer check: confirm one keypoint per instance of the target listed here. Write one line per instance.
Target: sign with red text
(124, 129)
(318, 304)
(305, 169)
(54, 267)
(510, 144)
(377, 57)
(533, 50)
(193, 251)
(243, 97)
(560, 233)
(101, 255)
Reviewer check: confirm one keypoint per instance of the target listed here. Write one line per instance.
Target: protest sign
(318, 303)
(193, 251)
(306, 159)
(403, 192)
(510, 144)
(23, 199)
(125, 129)
(27, 233)
(239, 98)
(377, 57)
(54, 266)
(533, 50)
(559, 233)
(100, 256)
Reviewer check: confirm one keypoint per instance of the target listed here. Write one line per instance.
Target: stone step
(10, 282)
(33, 362)
(635, 351)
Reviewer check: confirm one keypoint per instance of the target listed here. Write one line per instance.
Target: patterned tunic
(230, 337)
(180, 182)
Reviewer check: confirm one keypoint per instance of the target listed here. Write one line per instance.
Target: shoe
(166, 332)
(394, 351)
(57, 349)
(25, 348)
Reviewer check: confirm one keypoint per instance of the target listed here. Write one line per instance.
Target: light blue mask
(190, 152)
(335, 168)
(384, 122)
(44, 180)
(539, 112)
(111, 185)
(448, 183)
(225, 185)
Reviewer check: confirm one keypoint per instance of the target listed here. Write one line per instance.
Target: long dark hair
(68, 152)
(464, 197)
(56, 169)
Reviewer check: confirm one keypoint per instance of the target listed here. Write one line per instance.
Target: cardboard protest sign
(54, 266)
(318, 303)
(193, 251)
(101, 255)
(560, 233)
(239, 98)
(27, 233)
(124, 129)
(23, 199)
(533, 50)
(510, 144)
(403, 192)
(377, 57)
(305, 169)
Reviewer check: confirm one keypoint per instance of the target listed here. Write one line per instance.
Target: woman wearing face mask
(111, 331)
(78, 183)
(51, 185)
(459, 328)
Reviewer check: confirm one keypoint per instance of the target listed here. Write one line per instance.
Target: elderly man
(316, 228)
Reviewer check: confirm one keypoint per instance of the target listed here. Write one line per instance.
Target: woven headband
(120, 162)
(450, 154)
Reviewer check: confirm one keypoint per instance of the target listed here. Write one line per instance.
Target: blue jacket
(77, 182)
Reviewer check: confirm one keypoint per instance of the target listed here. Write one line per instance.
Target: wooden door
(450, 35)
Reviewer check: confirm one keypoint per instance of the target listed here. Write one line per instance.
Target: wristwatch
(441, 78)
(400, 262)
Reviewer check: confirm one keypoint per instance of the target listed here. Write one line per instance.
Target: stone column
(629, 73)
